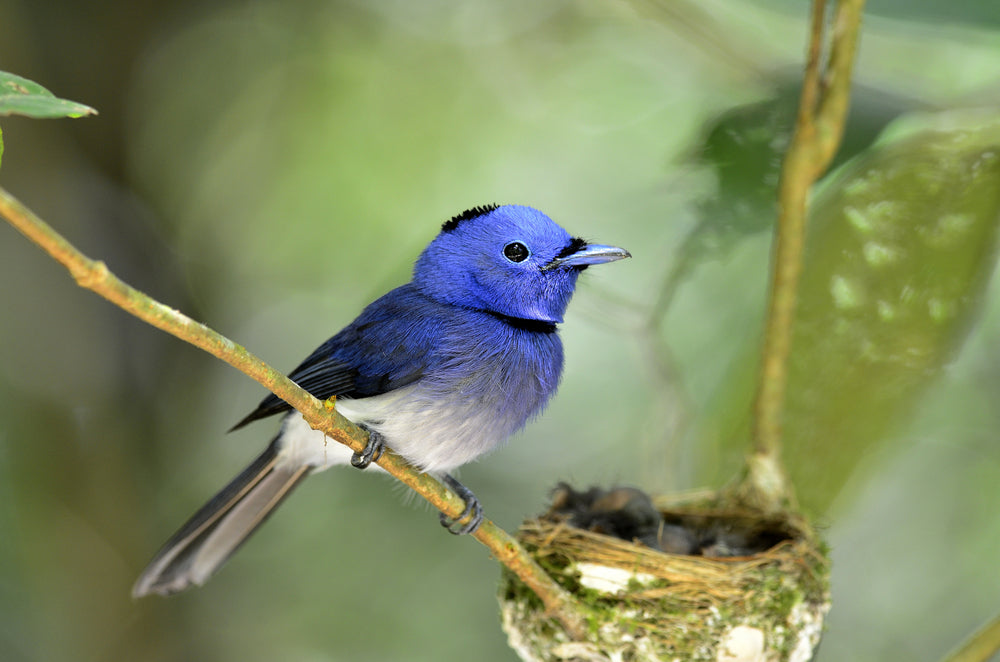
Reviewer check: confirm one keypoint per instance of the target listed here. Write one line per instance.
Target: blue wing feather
(387, 347)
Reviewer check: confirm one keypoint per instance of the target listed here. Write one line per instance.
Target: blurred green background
(270, 167)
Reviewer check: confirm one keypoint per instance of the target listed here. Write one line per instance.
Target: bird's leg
(473, 509)
(372, 450)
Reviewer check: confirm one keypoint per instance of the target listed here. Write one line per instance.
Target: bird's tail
(203, 544)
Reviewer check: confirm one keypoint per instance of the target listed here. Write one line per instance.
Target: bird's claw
(473, 510)
(371, 452)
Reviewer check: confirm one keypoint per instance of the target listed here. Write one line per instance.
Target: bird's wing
(387, 347)
(321, 375)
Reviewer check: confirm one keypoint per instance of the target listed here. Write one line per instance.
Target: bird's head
(509, 260)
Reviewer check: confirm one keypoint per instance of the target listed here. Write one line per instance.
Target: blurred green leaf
(744, 148)
(901, 244)
(20, 96)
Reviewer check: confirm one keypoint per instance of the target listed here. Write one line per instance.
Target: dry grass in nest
(700, 580)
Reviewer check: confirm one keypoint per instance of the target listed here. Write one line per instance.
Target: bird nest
(744, 586)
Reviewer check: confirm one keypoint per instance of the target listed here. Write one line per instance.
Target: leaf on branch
(20, 96)
(744, 147)
(901, 245)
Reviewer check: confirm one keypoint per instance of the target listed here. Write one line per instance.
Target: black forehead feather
(575, 244)
(467, 215)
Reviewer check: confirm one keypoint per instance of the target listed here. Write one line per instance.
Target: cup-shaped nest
(734, 585)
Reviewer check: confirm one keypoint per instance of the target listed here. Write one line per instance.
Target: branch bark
(94, 275)
(818, 130)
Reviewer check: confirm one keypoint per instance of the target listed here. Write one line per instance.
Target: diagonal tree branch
(94, 275)
(981, 646)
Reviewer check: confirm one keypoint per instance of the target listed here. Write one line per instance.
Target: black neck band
(534, 326)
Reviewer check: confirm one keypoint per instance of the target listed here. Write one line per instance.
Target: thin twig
(94, 275)
(822, 112)
(981, 646)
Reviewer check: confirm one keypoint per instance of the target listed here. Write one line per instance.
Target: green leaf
(745, 147)
(901, 243)
(20, 96)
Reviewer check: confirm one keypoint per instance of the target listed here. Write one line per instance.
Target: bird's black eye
(515, 251)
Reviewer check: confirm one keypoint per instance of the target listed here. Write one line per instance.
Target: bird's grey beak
(589, 254)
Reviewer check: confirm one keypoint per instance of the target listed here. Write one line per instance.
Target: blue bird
(442, 370)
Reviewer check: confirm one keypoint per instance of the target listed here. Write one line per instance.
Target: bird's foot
(371, 452)
(473, 510)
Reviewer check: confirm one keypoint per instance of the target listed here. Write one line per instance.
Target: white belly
(434, 436)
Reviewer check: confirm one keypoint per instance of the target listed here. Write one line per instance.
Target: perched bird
(442, 370)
